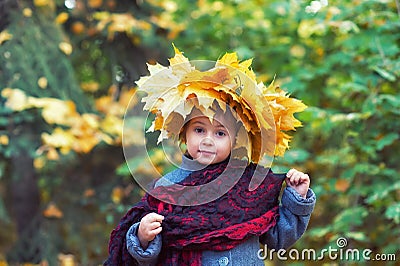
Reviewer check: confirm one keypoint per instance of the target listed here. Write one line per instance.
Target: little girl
(184, 220)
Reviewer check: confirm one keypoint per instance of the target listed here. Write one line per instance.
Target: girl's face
(207, 142)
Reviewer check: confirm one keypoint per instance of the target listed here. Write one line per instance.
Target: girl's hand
(149, 227)
(299, 181)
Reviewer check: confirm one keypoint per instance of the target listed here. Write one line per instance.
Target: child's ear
(182, 135)
(182, 139)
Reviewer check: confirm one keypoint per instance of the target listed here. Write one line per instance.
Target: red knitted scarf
(218, 225)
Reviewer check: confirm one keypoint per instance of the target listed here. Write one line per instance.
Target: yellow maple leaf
(59, 138)
(27, 12)
(65, 47)
(4, 140)
(39, 163)
(112, 125)
(55, 111)
(180, 64)
(42, 82)
(85, 144)
(62, 18)
(117, 194)
(95, 3)
(342, 185)
(90, 86)
(229, 59)
(178, 58)
(103, 104)
(5, 36)
(41, 2)
(16, 99)
(52, 154)
(282, 143)
(52, 211)
(66, 260)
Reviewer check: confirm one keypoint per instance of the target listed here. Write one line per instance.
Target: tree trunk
(25, 192)
(25, 209)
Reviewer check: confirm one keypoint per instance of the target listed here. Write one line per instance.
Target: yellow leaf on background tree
(41, 2)
(27, 12)
(52, 211)
(73, 131)
(65, 47)
(117, 194)
(85, 144)
(42, 82)
(66, 260)
(4, 140)
(91, 86)
(112, 125)
(62, 18)
(95, 3)
(16, 99)
(59, 138)
(5, 36)
(342, 185)
(55, 111)
(52, 154)
(39, 163)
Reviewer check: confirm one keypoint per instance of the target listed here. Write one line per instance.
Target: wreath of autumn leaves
(265, 112)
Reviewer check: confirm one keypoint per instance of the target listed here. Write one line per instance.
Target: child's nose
(207, 141)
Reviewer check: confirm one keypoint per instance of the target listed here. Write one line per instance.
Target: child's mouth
(207, 153)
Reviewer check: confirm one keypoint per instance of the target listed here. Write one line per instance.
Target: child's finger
(294, 177)
(153, 217)
(157, 231)
(157, 217)
(305, 178)
(294, 180)
(297, 177)
(288, 181)
(152, 234)
(150, 230)
(290, 172)
(154, 225)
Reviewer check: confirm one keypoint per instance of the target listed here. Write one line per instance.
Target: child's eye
(198, 130)
(221, 133)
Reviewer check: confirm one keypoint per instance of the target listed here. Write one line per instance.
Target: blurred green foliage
(341, 60)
